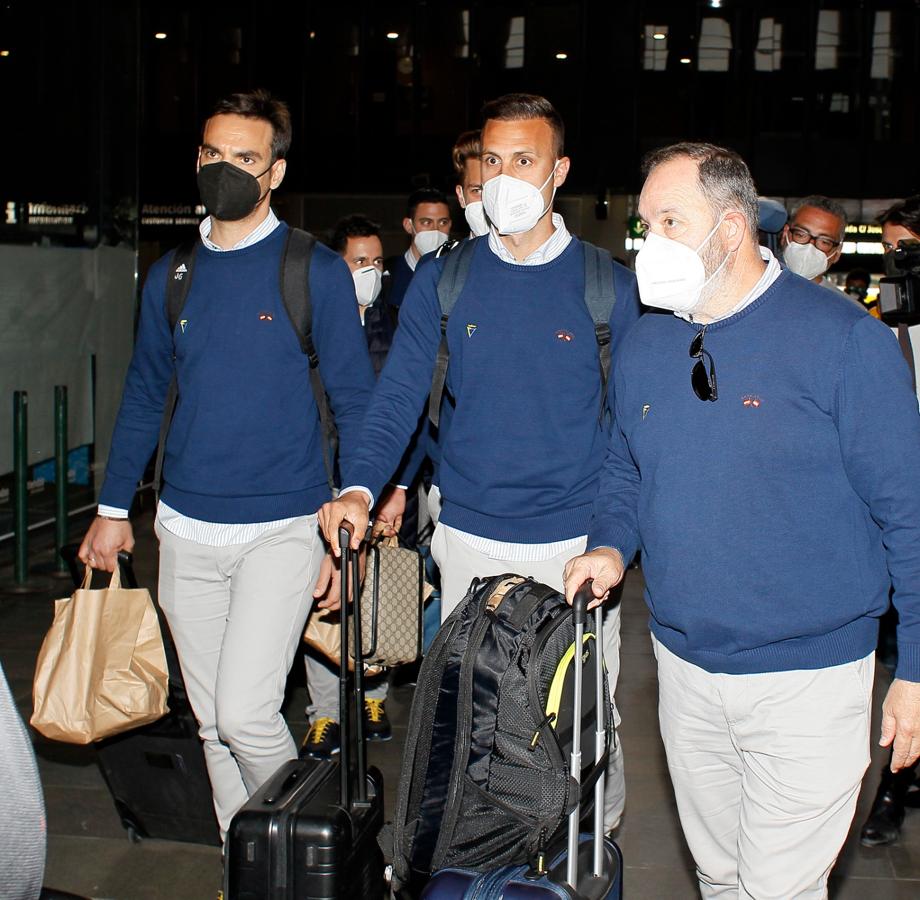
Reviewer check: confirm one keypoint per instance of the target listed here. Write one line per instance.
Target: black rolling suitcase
(584, 866)
(157, 774)
(311, 830)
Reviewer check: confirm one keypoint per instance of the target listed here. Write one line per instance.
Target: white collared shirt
(770, 274)
(260, 232)
(549, 250)
(410, 259)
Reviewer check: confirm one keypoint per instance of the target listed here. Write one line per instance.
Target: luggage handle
(286, 787)
(583, 597)
(351, 573)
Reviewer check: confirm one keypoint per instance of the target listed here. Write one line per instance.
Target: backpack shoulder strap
(178, 283)
(295, 288)
(600, 298)
(450, 286)
(295, 292)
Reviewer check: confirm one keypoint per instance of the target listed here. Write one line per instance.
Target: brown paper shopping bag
(101, 669)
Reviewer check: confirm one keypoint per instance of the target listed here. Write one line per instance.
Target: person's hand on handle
(103, 540)
(603, 566)
(351, 507)
(901, 723)
(389, 513)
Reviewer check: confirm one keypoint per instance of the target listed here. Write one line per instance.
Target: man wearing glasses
(813, 237)
(774, 508)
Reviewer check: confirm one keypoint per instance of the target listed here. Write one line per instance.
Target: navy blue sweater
(245, 443)
(521, 458)
(772, 521)
(400, 278)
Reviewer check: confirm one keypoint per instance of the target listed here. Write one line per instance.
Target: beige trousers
(236, 615)
(766, 771)
(460, 563)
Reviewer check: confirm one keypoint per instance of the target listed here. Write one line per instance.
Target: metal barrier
(20, 487)
(60, 474)
(22, 580)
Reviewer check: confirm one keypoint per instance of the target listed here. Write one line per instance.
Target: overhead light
(392, 35)
(685, 60)
(312, 35)
(4, 52)
(562, 56)
(659, 35)
(160, 35)
(715, 4)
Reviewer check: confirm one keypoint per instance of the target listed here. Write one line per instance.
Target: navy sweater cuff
(118, 492)
(622, 539)
(908, 662)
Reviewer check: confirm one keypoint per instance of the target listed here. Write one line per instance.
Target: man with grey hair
(774, 509)
(813, 237)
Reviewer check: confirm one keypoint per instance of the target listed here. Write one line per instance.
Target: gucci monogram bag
(391, 604)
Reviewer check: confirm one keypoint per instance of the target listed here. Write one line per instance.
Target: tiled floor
(89, 853)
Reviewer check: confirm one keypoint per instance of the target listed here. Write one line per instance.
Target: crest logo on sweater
(470, 328)
(751, 401)
(183, 324)
(180, 272)
(645, 410)
(565, 336)
(265, 317)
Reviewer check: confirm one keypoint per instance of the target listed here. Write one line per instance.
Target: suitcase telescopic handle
(583, 596)
(580, 602)
(351, 575)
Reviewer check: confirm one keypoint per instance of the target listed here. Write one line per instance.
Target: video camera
(899, 295)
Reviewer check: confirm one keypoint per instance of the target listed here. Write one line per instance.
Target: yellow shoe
(322, 740)
(376, 722)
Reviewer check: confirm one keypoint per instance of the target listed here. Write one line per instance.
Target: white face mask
(671, 275)
(476, 218)
(367, 284)
(805, 260)
(427, 241)
(514, 205)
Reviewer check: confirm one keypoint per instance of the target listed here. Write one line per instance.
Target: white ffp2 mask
(367, 284)
(514, 205)
(428, 241)
(671, 275)
(805, 260)
(476, 218)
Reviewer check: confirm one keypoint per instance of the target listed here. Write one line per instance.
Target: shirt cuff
(359, 487)
(112, 512)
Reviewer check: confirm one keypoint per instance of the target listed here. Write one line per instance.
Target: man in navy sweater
(520, 461)
(768, 477)
(241, 559)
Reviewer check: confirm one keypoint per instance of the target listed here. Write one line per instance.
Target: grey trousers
(766, 771)
(323, 684)
(237, 614)
(460, 564)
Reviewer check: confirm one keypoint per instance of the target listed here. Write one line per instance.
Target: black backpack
(600, 297)
(485, 780)
(295, 291)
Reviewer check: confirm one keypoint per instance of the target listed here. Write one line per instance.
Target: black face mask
(229, 193)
